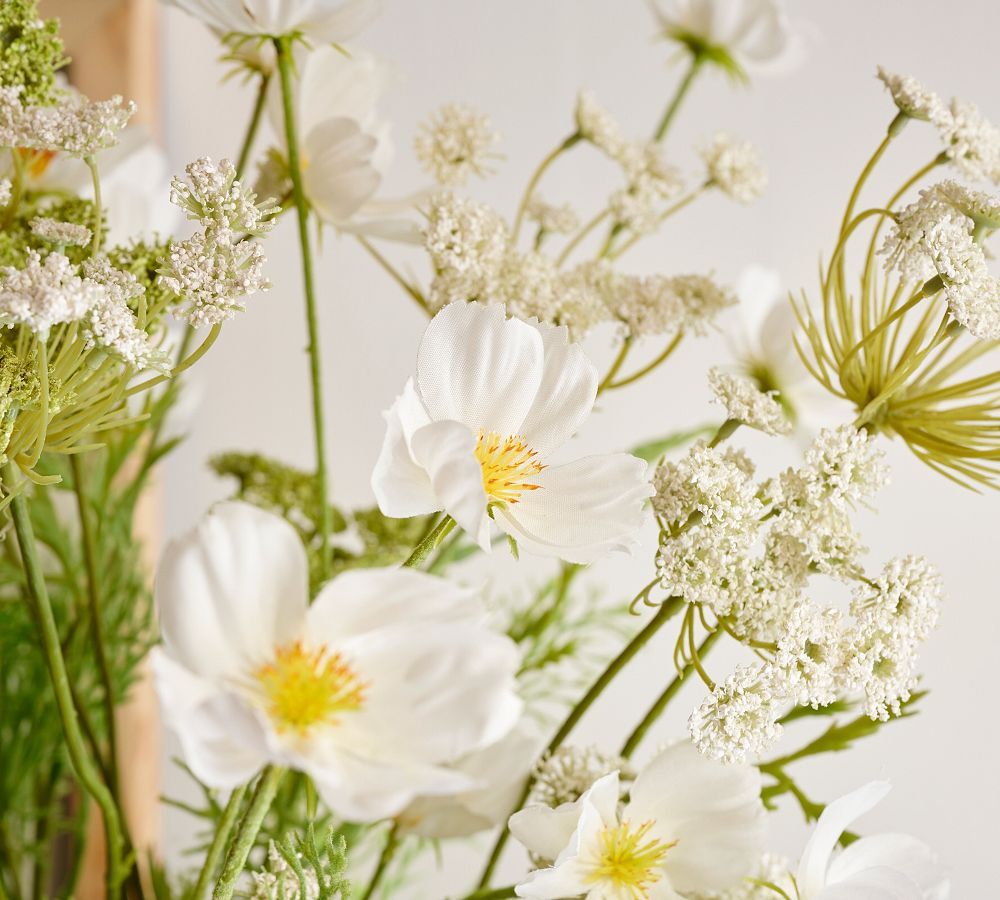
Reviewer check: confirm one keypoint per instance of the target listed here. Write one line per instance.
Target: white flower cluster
(566, 774)
(734, 167)
(473, 259)
(5, 191)
(74, 125)
(64, 233)
(549, 217)
(45, 292)
(746, 552)
(595, 124)
(939, 235)
(455, 144)
(911, 97)
(218, 266)
(746, 403)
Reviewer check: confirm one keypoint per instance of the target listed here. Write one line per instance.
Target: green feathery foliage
(31, 51)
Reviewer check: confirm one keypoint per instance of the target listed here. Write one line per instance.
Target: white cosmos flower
(878, 867)
(344, 149)
(690, 825)
(473, 435)
(748, 35)
(499, 772)
(389, 675)
(322, 21)
(765, 351)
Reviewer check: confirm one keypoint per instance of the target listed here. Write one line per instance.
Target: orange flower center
(508, 465)
(308, 686)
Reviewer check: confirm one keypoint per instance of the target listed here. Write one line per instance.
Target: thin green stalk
(667, 610)
(255, 117)
(385, 857)
(661, 702)
(96, 622)
(580, 235)
(666, 214)
(645, 370)
(17, 188)
(83, 766)
(283, 45)
(95, 178)
(219, 840)
(182, 366)
(494, 894)
(726, 429)
(394, 274)
(681, 92)
(536, 176)
(616, 365)
(246, 834)
(431, 540)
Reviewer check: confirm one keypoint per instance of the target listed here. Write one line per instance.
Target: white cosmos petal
(712, 810)
(480, 368)
(434, 691)
(335, 84)
(582, 509)
(566, 395)
(447, 452)
(339, 177)
(815, 859)
(231, 590)
(222, 740)
(365, 789)
(362, 600)
(873, 884)
(330, 21)
(402, 488)
(899, 852)
(568, 875)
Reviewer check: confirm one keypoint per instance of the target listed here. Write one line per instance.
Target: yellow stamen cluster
(629, 859)
(308, 686)
(508, 463)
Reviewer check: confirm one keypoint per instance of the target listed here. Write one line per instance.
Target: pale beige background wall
(522, 61)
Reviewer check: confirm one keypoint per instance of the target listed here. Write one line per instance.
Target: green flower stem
(536, 176)
(493, 894)
(394, 274)
(255, 117)
(95, 178)
(17, 188)
(219, 840)
(385, 857)
(645, 370)
(184, 364)
(668, 609)
(661, 703)
(283, 45)
(429, 542)
(675, 103)
(616, 365)
(246, 833)
(666, 214)
(726, 430)
(580, 235)
(83, 766)
(96, 623)
(866, 172)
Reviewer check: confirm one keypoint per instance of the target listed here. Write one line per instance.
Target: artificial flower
(690, 825)
(739, 35)
(323, 21)
(389, 675)
(890, 866)
(473, 435)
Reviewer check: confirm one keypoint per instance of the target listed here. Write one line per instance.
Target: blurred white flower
(743, 36)
(371, 690)
(765, 351)
(344, 149)
(323, 21)
(690, 824)
(472, 435)
(880, 865)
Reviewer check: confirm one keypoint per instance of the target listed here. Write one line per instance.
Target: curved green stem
(633, 239)
(96, 621)
(616, 365)
(184, 364)
(682, 89)
(580, 235)
(83, 766)
(385, 857)
(255, 117)
(645, 370)
(394, 274)
(219, 840)
(17, 188)
(667, 610)
(246, 834)
(431, 540)
(536, 176)
(95, 179)
(283, 45)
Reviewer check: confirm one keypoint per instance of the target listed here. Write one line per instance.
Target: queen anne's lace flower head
(213, 197)
(735, 168)
(561, 219)
(810, 654)
(63, 233)
(45, 292)
(457, 142)
(595, 124)
(566, 774)
(746, 403)
(701, 299)
(647, 305)
(971, 141)
(911, 97)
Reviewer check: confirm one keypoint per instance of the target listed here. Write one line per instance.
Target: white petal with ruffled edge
(900, 853)
(403, 488)
(231, 590)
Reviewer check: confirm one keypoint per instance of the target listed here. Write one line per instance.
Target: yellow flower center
(508, 464)
(308, 686)
(629, 859)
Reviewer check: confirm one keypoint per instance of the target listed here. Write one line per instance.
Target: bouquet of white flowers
(345, 697)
